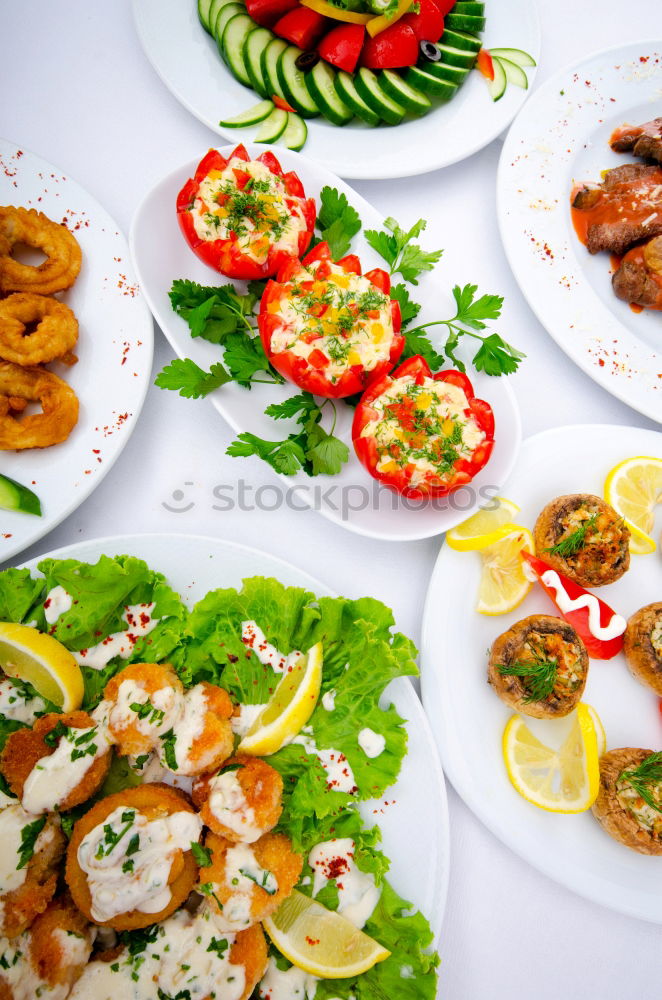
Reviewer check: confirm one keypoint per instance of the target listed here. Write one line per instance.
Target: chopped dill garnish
(538, 674)
(574, 542)
(649, 773)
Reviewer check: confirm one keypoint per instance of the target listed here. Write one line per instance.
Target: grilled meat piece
(639, 276)
(642, 140)
(625, 209)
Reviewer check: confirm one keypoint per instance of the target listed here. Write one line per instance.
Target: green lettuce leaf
(18, 594)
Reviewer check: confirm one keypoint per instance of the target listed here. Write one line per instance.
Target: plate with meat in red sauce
(580, 213)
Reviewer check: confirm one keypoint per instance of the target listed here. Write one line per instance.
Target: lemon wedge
(633, 488)
(321, 942)
(565, 780)
(503, 584)
(485, 527)
(600, 734)
(43, 662)
(290, 706)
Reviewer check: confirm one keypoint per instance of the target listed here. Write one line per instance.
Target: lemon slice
(503, 584)
(321, 942)
(564, 780)
(290, 706)
(485, 527)
(600, 734)
(42, 661)
(633, 488)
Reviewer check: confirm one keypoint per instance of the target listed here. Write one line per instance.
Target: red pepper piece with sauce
(570, 592)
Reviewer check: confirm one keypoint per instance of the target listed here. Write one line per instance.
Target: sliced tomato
(394, 47)
(267, 12)
(428, 23)
(301, 26)
(342, 46)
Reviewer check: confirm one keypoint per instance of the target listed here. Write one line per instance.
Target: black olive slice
(307, 60)
(429, 51)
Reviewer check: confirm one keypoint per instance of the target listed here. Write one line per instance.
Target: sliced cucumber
(412, 100)
(514, 73)
(320, 81)
(253, 116)
(295, 134)
(225, 13)
(497, 86)
(518, 56)
(349, 94)
(464, 22)
(214, 10)
(269, 67)
(372, 92)
(461, 40)
(255, 44)
(473, 7)
(457, 57)
(236, 32)
(293, 82)
(452, 74)
(15, 496)
(272, 127)
(203, 13)
(430, 84)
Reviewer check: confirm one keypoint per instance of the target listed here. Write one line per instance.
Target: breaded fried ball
(202, 736)
(243, 801)
(142, 702)
(27, 887)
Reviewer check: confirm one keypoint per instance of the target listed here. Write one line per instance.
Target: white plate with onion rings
(114, 350)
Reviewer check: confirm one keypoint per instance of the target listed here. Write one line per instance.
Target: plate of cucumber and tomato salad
(486, 736)
(294, 72)
(365, 368)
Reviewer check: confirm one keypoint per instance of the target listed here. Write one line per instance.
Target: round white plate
(561, 137)
(468, 718)
(187, 60)
(114, 351)
(194, 565)
(352, 499)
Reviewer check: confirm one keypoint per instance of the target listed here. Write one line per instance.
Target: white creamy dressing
(165, 702)
(209, 218)
(102, 855)
(366, 343)
(188, 727)
(246, 715)
(17, 704)
(6, 800)
(190, 953)
(75, 948)
(53, 778)
(291, 984)
(254, 639)
(329, 700)
(227, 803)
(152, 770)
(357, 893)
(443, 401)
(339, 774)
(616, 625)
(13, 820)
(242, 873)
(372, 743)
(57, 601)
(140, 623)
(19, 973)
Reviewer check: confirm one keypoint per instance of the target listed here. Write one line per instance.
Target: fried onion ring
(57, 272)
(37, 430)
(22, 342)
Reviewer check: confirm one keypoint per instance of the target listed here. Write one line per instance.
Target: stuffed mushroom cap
(620, 810)
(552, 648)
(643, 645)
(584, 538)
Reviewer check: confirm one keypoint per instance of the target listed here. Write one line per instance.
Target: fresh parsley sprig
(29, 836)
(538, 674)
(402, 255)
(645, 778)
(313, 449)
(337, 221)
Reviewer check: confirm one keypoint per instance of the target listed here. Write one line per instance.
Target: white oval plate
(468, 718)
(194, 565)
(187, 60)
(114, 349)
(561, 137)
(161, 254)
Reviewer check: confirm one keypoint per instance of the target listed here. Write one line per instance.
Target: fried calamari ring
(57, 272)
(35, 329)
(37, 430)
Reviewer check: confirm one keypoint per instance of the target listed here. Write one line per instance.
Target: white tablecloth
(76, 89)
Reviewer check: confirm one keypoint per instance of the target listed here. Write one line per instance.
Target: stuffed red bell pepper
(597, 625)
(423, 435)
(245, 217)
(328, 328)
